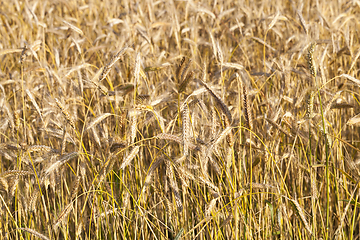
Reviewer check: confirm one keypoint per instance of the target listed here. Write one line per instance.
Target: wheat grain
(281, 129)
(33, 199)
(208, 183)
(79, 229)
(40, 148)
(7, 51)
(259, 186)
(273, 21)
(4, 184)
(177, 139)
(233, 65)
(182, 174)
(314, 190)
(169, 208)
(137, 69)
(174, 187)
(310, 106)
(184, 70)
(219, 54)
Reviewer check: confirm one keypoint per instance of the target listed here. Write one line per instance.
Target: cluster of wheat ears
(179, 119)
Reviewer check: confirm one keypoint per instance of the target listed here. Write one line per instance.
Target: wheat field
(179, 119)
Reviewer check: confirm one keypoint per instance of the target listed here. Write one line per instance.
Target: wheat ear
(35, 233)
(63, 215)
(16, 173)
(174, 187)
(149, 175)
(113, 60)
(186, 81)
(210, 207)
(130, 157)
(310, 59)
(218, 101)
(247, 108)
(98, 120)
(63, 159)
(301, 214)
(65, 113)
(180, 69)
(186, 129)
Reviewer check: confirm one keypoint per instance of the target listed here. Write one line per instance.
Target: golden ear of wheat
(65, 113)
(210, 207)
(63, 215)
(310, 105)
(189, 77)
(35, 233)
(108, 66)
(186, 129)
(75, 187)
(180, 69)
(301, 214)
(130, 157)
(16, 173)
(310, 59)
(247, 108)
(218, 101)
(184, 72)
